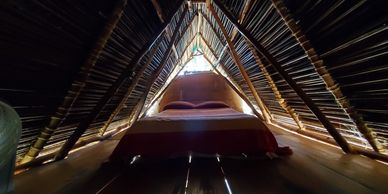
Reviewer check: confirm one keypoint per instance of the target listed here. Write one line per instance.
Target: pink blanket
(220, 130)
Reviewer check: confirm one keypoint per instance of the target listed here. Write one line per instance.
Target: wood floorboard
(313, 168)
(206, 177)
(252, 176)
(151, 176)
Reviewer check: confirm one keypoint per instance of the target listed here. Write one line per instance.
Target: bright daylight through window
(197, 64)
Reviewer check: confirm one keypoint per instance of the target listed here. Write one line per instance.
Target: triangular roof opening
(198, 64)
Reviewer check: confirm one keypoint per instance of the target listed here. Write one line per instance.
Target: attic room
(193, 96)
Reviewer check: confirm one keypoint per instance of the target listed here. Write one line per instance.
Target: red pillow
(211, 104)
(179, 105)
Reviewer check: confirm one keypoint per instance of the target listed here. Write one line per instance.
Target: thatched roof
(71, 69)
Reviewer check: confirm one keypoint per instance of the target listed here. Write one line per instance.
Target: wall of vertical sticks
(75, 69)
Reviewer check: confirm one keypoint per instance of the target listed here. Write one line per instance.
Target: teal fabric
(10, 131)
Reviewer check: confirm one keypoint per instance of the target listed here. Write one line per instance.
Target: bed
(208, 128)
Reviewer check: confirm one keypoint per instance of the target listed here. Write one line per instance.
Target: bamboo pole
(217, 57)
(130, 90)
(83, 126)
(238, 90)
(158, 10)
(184, 50)
(77, 85)
(367, 153)
(306, 99)
(208, 45)
(247, 7)
(283, 103)
(222, 66)
(239, 93)
(137, 78)
(237, 61)
(207, 19)
(133, 115)
(165, 88)
(134, 82)
(319, 66)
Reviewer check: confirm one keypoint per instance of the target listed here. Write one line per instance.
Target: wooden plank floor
(205, 176)
(151, 176)
(313, 168)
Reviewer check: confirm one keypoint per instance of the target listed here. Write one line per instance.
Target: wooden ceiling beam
(158, 10)
(184, 50)
(233, 85)
(235, 89)
(319, 66)
(198, 1)
(84, 125)
(190, 23)
(213, 51)
(222, 66)
(207, 19)
(165, 88)
(247, 7)
(282, 102)
(165, 57)
(208, 45)
(306, 99)
(199, 27)
(132, 87)
(77, 85)
(237, 61)
(173, 46)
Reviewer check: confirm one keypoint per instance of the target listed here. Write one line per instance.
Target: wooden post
(240, 66)
(319, 66)
(306, 99)
(83, 126)
(77, 85)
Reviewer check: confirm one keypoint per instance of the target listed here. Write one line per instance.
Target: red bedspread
(174, 132)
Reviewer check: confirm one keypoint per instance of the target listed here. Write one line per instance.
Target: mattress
(221, 131)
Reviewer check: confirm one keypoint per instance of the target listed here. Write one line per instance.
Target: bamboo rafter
(134, 82)
(318, 113)
(283, 103)
(77, 85)
(166, 54)
(237, 61)
(112, 90)
(331, 84)
(235, 89)
(138, 77)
